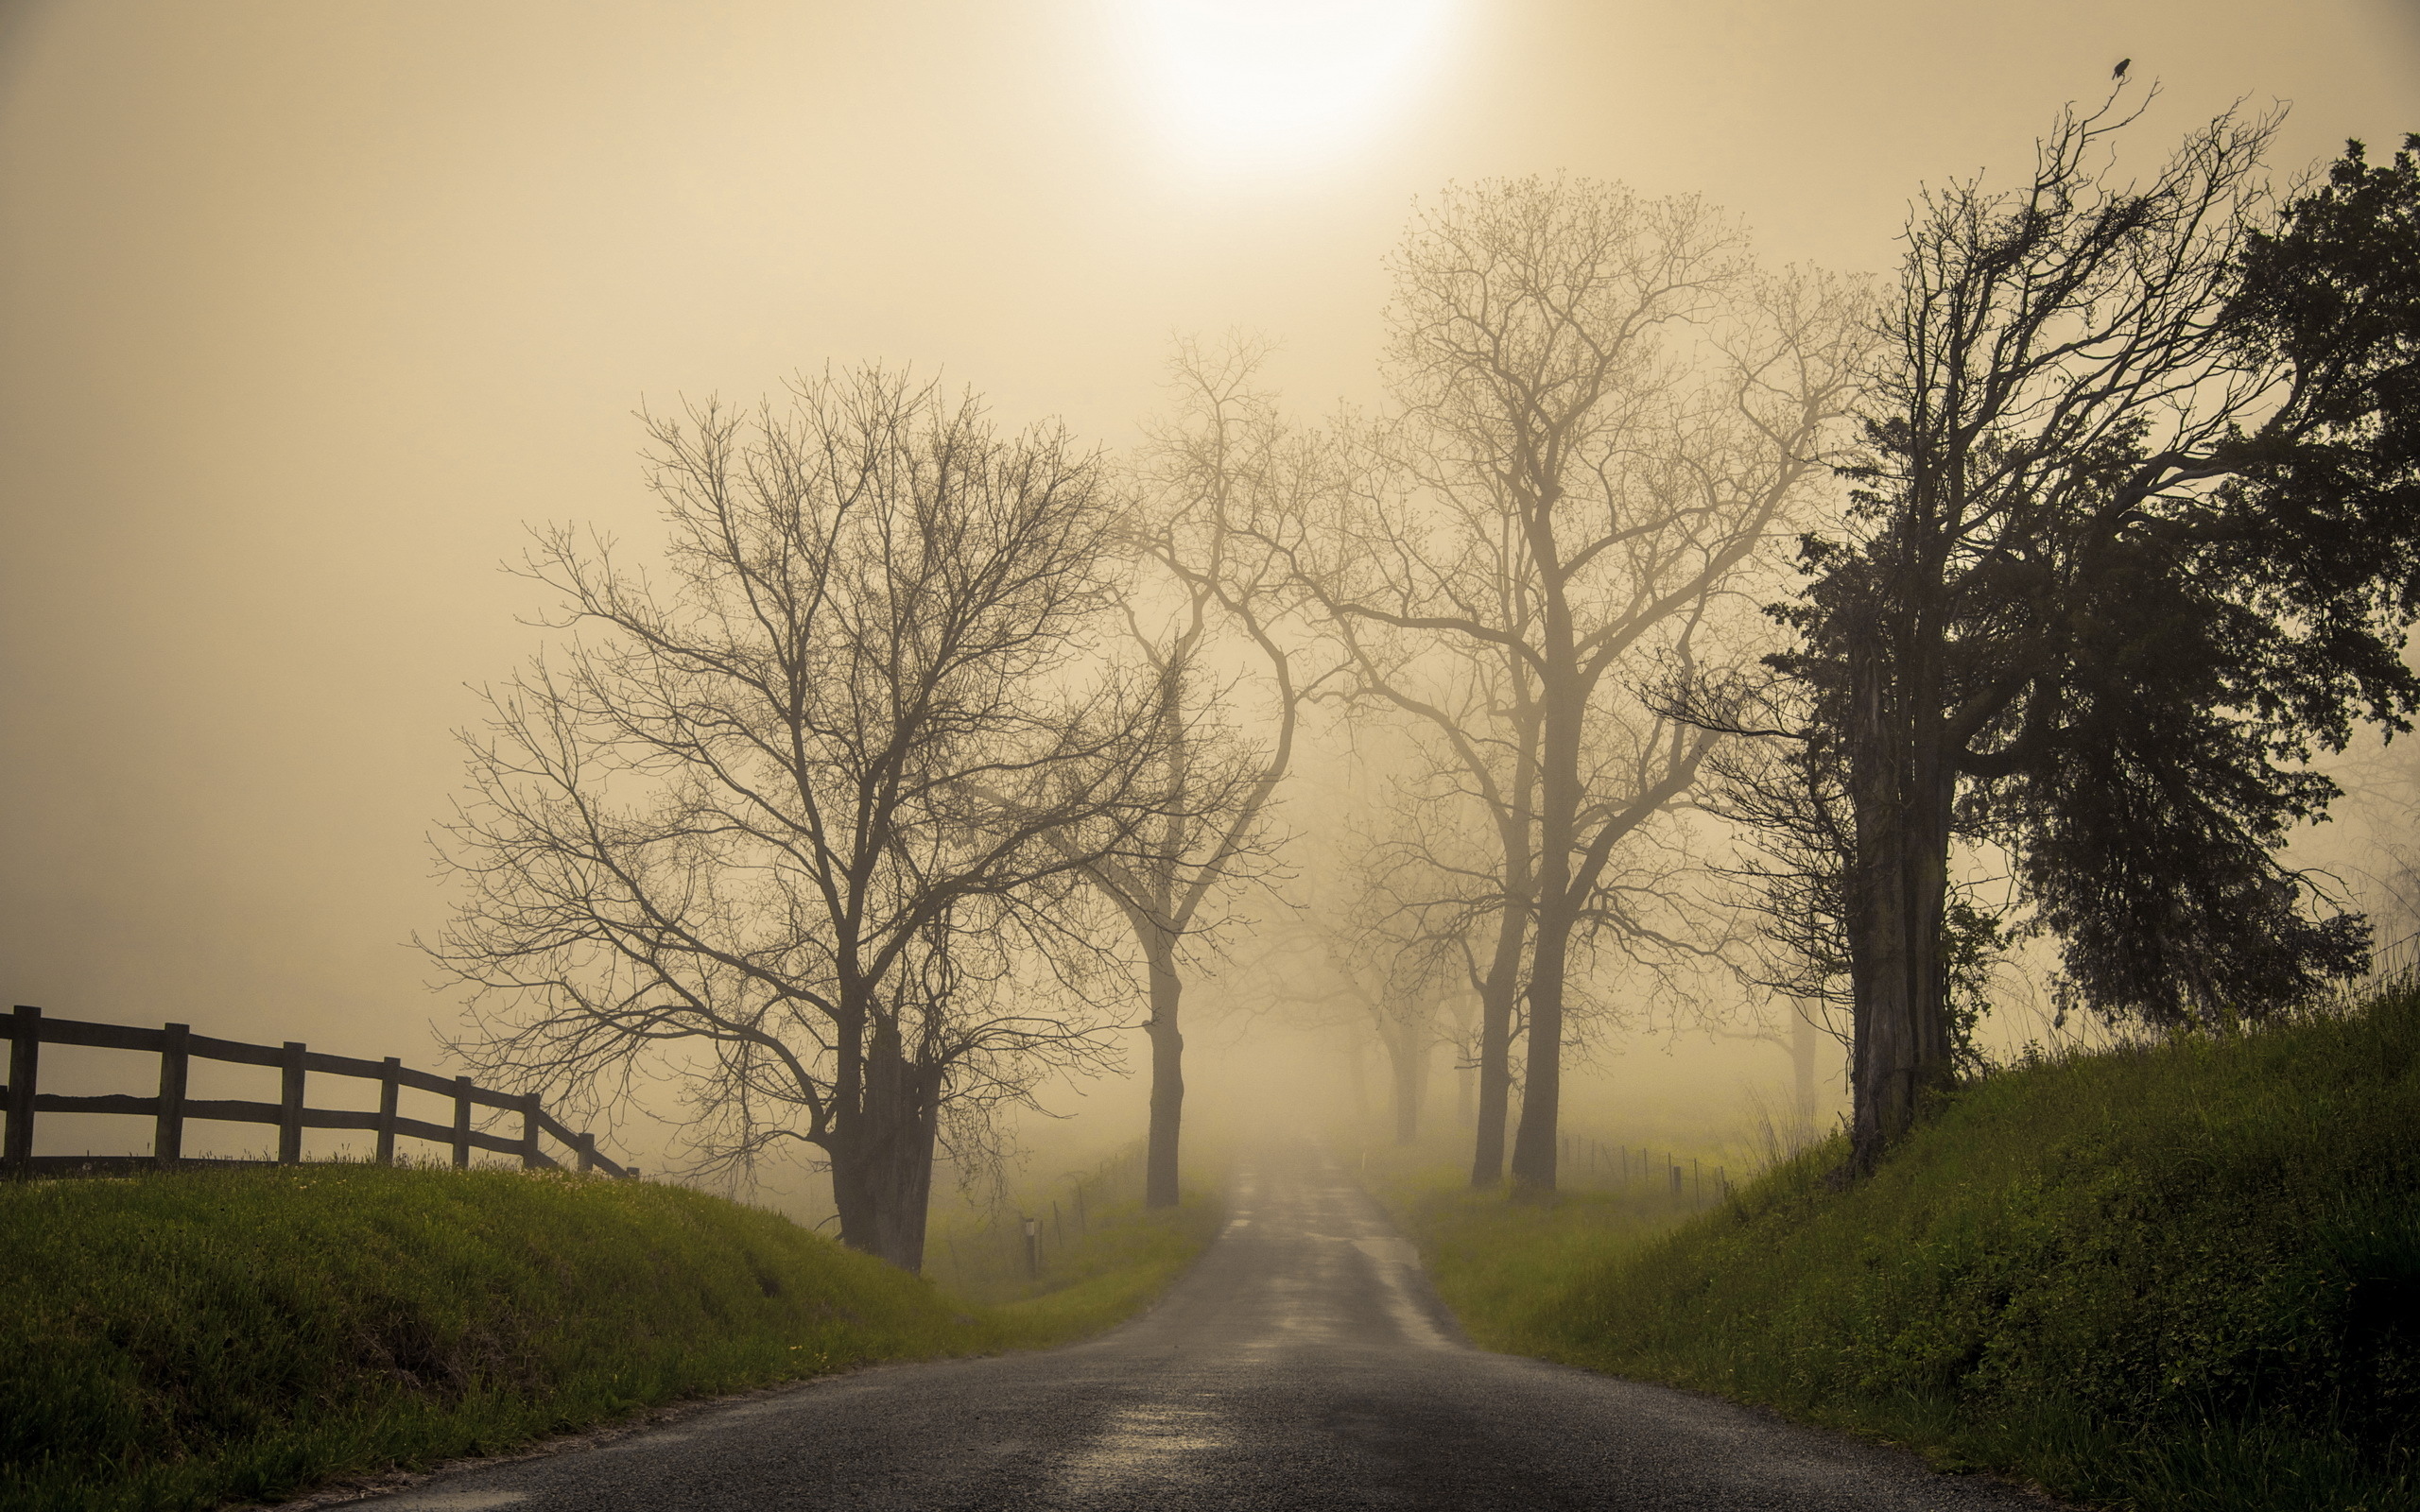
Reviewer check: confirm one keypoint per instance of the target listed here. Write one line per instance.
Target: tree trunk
(1884, 1056)
(1534, 1144)
(1168, 1077)
(1408, 1051)
(1901, 786)
(1565, 705)
(1465, 1091)
(882, 1155)
(1801, 1070)
(1496, 1047)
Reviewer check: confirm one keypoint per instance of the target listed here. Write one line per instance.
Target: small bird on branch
(2119, 72)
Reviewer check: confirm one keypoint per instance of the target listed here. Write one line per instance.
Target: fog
(310, 310)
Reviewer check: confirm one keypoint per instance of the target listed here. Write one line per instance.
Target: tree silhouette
(802, 825)
(2137, 533)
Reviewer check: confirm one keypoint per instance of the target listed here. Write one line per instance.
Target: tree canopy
(2133, 538)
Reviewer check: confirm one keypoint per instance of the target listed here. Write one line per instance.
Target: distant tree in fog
(1211, 616)
(800, 819)
(1606, 416)
(1354, 959)
(1475, 839)
(1399, 956)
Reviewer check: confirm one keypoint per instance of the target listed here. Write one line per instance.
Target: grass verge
(184, 1340)
(1120, 1266)
(2182, 1280)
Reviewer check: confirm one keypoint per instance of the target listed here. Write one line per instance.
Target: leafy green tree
(2137, 533)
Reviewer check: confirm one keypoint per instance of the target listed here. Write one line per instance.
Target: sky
(307, 309)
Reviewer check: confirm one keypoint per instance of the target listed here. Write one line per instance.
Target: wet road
(1303, 1364)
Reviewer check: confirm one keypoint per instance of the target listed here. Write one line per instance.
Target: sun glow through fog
(1256, 81)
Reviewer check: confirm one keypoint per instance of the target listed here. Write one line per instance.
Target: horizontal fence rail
(177, 1047)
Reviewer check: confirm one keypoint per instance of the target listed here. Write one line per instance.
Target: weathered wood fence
(177, 1047)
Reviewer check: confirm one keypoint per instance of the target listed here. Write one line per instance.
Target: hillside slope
(2181, 1277)
(187, 1339)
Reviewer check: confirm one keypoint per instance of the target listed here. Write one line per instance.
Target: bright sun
(1251, 80)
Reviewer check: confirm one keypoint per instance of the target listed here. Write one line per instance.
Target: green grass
(1103, 1277)
(2179, 1279)
(187, 1339)
(1492, 1259)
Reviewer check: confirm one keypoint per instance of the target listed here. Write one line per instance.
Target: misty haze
(1280, 753)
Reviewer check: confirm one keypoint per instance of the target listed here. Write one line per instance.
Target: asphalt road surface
(1303, 1364)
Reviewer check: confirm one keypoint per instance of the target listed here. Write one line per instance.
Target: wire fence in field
(1012, 1241)
(1657, 1172)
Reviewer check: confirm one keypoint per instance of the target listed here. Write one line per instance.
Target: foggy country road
(1304, 1362)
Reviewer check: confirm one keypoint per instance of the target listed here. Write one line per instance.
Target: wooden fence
(177, 1046)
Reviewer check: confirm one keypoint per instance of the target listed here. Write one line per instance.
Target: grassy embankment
(2186, 1277)
(183, 1340)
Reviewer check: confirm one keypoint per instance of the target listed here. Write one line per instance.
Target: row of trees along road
(832, 820)
(1605, 413)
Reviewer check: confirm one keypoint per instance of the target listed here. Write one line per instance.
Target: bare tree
(1482, 714)
(1606, 417)
(1211, 480)
(1360, 962)
(800, 821)
(1400, 956)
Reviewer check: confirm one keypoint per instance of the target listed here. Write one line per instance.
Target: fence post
(529, 1131)
(462, 1121)
(168, 1130)
(391, 1087)
(25, 1058)
(289, 1106)
(588, 1152)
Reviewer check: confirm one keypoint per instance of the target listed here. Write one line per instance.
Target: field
(2181, 1277)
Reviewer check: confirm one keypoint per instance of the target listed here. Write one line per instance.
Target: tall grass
(2185, 1277)
(182, 1340)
